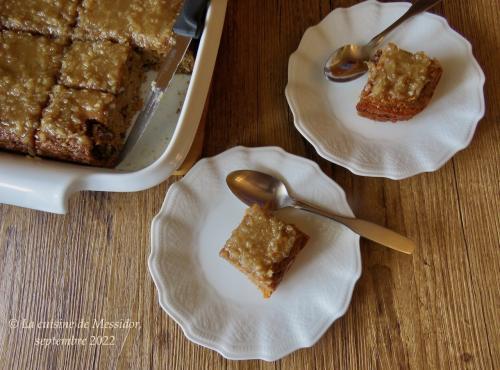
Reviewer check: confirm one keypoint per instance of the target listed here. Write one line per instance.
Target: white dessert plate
(215, 304)
(325, 112)
(47, 184)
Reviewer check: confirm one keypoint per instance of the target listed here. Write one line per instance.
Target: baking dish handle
(38, 188)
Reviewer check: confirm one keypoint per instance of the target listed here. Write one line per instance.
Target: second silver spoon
(349, 61)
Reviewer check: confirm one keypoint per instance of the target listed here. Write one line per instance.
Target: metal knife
(188, 25)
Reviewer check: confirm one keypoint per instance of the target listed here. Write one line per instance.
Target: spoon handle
(366, 229)
(417, 7)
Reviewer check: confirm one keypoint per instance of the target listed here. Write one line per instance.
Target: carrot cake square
(263, 248)
(84, 126)
(400, 84)
(144, 24)
(100, 65)
(28, 67)
(46, 17)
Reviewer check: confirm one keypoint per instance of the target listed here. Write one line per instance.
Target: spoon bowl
(253, 187)
(349, 61)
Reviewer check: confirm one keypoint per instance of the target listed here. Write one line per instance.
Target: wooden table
(436, 310)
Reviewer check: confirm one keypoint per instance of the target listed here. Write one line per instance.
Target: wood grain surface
(439, 309)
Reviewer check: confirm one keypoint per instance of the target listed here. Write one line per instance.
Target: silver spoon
(349, 61)
(256, 187)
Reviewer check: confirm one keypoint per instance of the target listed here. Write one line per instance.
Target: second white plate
(325, 112)
(214, 303)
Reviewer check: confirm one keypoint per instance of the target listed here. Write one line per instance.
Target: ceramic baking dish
(47, 185)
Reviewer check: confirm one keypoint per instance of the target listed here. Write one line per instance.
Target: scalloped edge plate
(325, 114)
(215, 305)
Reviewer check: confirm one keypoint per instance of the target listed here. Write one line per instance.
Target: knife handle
(191, 20)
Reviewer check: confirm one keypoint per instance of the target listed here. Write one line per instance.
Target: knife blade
(188, 25)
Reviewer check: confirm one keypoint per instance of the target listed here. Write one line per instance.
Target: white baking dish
(47, 185)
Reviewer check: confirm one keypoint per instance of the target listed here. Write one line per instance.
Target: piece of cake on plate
(400, 84)
(263, 248)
